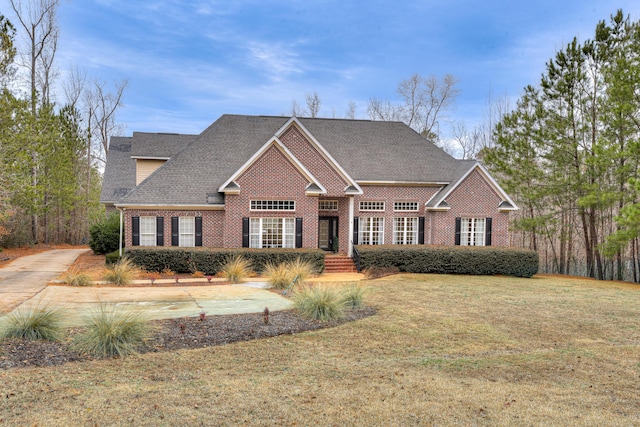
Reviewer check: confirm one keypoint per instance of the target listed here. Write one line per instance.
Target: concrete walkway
(27, 276)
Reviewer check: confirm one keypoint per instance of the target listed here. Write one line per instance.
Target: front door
(328, 233)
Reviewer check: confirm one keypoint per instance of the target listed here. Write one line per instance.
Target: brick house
(257, 181)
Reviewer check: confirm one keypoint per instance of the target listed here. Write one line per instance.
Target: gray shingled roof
(366, 150)
(146, 144)
(120, 172)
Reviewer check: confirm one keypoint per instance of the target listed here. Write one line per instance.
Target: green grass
(111, 332)
(33, 324)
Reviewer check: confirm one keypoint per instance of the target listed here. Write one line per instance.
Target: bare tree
(351, 110)
(313, 104)
(297, 110)
(468, 142)
(102, 107)
(38, 19)
(424, 104)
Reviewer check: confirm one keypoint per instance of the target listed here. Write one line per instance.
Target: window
(405, 231)
(272, 232)
(187, 231)
(148, 231)
(273, 205)
(372, 206)
(472, 231)
(371, 231)
(405, 206)
(328, 205)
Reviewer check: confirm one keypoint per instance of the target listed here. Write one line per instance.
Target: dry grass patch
(441, 350)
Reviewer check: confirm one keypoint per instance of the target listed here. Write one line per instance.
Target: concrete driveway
(23, 283)
(27, 276)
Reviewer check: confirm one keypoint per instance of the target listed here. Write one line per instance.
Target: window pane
(148, 231)
(187, 227)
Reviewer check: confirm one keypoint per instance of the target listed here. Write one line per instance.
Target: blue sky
(188, 62)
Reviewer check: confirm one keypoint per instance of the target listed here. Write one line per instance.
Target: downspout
(349, 239)
(120, 243)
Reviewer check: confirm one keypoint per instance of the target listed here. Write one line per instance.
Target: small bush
(110, 332)
(33, 324)
(112, 257)
(236, 269)
(121, 273)
(320, 303)
(375, 272)
(75, 277)
(105, 235)
(278, 275)
(353, 296)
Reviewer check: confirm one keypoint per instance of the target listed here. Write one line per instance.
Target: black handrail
(356, 257)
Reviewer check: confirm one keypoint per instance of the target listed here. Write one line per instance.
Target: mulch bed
(175, 334)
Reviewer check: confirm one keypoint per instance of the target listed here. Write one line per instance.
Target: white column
(351, 208)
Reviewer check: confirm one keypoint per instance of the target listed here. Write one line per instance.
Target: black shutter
(245, 232)
(421, 230)
(487, 232)
(298, 232)
(198, 231)
(160, 231)
(355, 230)
(175, 231)
(458, 226)
(135, 231)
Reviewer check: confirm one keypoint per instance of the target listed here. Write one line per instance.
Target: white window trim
(362, 231)
(337, 205)
(365, 209)
(256, 233)
(405, 202)
(183, 235)
(404, 230)
(148, 235)
(255, 207)
(472, 237)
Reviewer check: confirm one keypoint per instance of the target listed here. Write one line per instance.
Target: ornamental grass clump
(121, 273)
(320, 303)
(353, 296)
(33, 324)
(76, 277)
(300, 268)
(279, 276)
(111, 332)
(236, 269)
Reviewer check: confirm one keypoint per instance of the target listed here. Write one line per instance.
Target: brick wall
(391, 194)
(212, 224)
(271, 177)
(474, 198)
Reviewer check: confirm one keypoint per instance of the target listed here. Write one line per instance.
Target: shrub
(105, 235)
(75, 277)
(236, 268)
(353, 295)
(121, 273)
(278, 275)
(110, 332)
(485, 260)
(112, 257)
(33, 324)
(210, 261)
(320, 303)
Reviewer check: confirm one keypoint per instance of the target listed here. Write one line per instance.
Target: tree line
(52, 148)
(569, 153)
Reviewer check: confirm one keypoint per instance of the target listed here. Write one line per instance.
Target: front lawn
(440, 350)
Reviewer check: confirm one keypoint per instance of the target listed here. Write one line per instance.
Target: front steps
(339, 264)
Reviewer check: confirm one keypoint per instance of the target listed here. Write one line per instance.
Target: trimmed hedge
(485, 260)
(210, 261)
